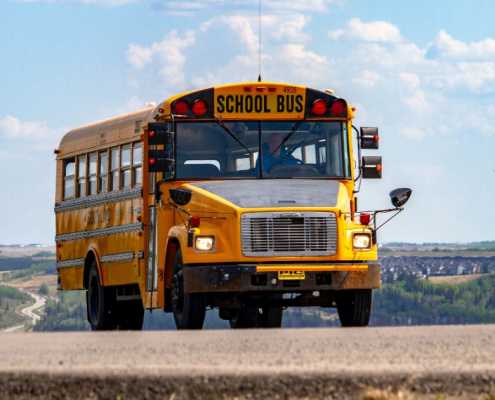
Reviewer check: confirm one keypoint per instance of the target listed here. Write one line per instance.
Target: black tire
(100, 302)
(189, 308)
(354, 307)
(130, 315)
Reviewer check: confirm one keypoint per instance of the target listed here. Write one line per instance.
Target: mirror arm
(375, 213)
(360, 168)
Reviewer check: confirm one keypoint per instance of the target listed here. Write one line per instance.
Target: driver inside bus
(275, 154)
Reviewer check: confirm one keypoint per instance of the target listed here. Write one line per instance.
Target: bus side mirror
(370, 139)
(371, 167)
(400, 196)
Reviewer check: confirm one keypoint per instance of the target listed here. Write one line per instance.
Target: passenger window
(322, 152)
(310, 154)
(242, 164)
(69, 176)
(81, 176)
(92, 172)
(103, 172)
(115, 168)
(126, 166)
(137, 161)
(297, 153)
(254, 159)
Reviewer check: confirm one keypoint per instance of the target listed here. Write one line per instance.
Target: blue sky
(424, 72)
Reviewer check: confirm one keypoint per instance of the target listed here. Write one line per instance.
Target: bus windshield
(262, 149)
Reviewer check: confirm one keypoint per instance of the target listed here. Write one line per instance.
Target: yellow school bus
(240, 197)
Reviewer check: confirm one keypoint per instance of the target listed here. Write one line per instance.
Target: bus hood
(268, 193)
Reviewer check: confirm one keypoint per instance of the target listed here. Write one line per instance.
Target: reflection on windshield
(220, 150)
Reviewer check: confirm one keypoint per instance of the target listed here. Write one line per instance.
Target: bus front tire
(354, 307)
(99, 302)
(189, 309)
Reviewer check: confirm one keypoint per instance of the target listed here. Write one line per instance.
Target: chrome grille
(304, 234)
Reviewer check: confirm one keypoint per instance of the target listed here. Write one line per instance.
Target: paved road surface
(411, 362)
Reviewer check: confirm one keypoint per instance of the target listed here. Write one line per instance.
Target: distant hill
(487, 245)
(17, 250)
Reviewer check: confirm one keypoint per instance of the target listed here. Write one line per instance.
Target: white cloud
(187, 8)
(13, 128)
(445, 46)
(375, 31)
(111, 3)
(366, 79)
(411, 80)
(139, 56)
(169, 53)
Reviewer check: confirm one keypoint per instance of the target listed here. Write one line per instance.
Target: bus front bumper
(243, 278)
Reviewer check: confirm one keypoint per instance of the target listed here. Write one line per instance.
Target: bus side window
(322, 154)
(103, 172)
(297, 154)
(92, 172)
(69, 177)
(137, 162)
(115, 168)
(125, 164)
(310, 154)
(81, 175)
(242, 164)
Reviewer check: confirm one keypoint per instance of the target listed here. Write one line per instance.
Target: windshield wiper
(292, 131)
(233, 136)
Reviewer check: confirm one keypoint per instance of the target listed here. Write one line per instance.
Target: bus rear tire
(99, 302)
(189, 309)
(354, 307)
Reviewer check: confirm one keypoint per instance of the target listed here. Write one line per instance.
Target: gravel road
(412, 362)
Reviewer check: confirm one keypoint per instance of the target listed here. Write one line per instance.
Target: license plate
(291, 275)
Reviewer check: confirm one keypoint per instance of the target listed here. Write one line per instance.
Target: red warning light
(199, 108)
(364, 218)
(195, 221)
(319, 107)
(338, 108)
(181, 107)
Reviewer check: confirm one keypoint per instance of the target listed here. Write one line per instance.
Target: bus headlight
(361, 241)
(204, 243)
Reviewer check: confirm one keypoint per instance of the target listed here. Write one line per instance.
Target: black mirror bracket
(375, 213)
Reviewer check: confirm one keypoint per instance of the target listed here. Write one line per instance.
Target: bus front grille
(289, 234)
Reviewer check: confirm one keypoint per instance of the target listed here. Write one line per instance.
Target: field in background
(455, 279)
(416, 291)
